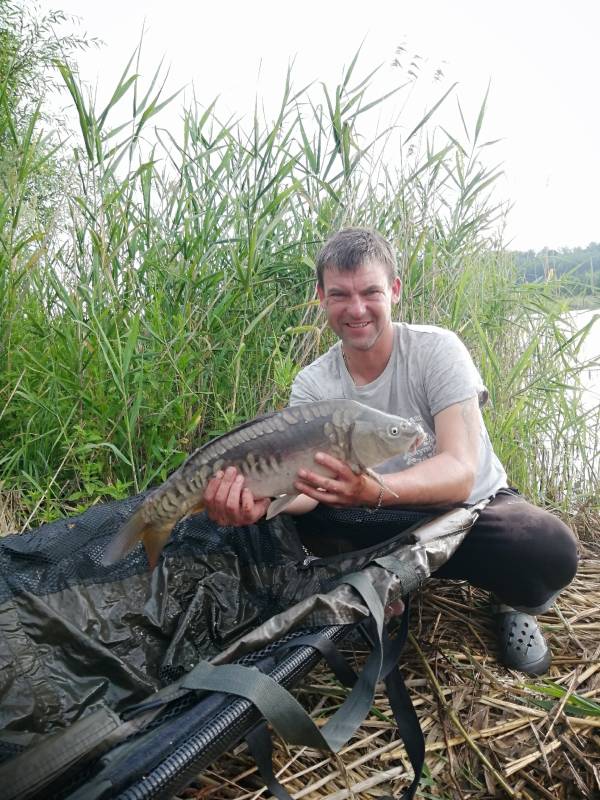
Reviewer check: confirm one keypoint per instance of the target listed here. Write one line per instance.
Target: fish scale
(268, 451)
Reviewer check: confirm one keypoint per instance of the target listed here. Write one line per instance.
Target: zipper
(380, 549)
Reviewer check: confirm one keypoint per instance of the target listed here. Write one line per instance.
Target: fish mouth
(418, 441)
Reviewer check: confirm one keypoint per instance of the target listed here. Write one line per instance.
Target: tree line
(579, 267)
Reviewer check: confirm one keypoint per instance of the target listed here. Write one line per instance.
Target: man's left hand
(344, 489)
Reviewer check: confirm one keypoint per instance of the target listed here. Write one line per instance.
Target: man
(522, 554)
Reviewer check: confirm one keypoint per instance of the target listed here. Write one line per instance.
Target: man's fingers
(315, 478)
(247, 501)
(225, 485)
(212, 486)
(333, 464)
(233, 499)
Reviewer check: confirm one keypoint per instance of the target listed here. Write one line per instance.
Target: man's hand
(228, 502)
(344, 489)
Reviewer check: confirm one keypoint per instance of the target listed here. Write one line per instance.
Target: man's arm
(445, 478)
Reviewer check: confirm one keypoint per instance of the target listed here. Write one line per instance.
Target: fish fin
(125, 539)
(279, 504)
(155, 538)
(135, 529)
(379, 480)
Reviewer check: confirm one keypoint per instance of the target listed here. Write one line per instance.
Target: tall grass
(171, 295)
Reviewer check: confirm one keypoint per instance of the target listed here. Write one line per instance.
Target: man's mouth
(357, 324)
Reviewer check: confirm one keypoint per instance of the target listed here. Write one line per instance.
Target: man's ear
(396, 289)
(321, 294)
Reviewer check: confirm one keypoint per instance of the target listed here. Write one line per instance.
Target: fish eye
(393, 430)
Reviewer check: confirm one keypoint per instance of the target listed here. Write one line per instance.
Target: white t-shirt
(429, 370)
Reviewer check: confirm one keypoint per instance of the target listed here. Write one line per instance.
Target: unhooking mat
(77, 637)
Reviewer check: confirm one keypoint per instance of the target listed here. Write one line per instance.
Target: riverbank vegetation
(156, 285)
(577, 267)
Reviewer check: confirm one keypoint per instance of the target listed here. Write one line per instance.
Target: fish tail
(153, 535)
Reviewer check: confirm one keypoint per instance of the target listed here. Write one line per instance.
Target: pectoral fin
(280, 504)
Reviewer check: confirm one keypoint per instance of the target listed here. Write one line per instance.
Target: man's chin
(359, 343)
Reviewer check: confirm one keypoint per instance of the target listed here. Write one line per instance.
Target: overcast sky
(540, 55)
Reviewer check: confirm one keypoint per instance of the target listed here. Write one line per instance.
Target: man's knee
(543, 543)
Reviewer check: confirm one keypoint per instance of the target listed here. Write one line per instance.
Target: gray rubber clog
(521, 644)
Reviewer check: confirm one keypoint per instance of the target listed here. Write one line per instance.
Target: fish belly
(278, 477)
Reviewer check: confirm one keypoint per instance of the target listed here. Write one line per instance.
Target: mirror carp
(268, 451)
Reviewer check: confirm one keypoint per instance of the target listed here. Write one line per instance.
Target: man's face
(359, 303)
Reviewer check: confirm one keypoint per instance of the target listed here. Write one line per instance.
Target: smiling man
(520, 553)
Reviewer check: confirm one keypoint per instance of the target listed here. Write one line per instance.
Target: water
(590, 350)
(590, 379)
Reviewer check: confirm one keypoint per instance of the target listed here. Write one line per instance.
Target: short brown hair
(350, 248)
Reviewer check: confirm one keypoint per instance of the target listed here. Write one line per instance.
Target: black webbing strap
(260, 745)
(274, 702)
(409, 578)
(336, 661)
(405, 716)
(409, 727)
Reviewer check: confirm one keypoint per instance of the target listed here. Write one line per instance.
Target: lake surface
(590, 350)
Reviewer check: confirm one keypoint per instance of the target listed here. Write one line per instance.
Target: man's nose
(357, 306)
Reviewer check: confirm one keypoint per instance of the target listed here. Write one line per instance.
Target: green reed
(171, 294)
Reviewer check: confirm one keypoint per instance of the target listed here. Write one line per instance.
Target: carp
(268, 451)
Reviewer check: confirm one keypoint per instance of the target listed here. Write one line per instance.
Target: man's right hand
(228, 502)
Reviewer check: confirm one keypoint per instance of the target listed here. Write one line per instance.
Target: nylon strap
(274, 702)
(407, 575)
(260, 745)
(355, 708)
(409, 727)
(339, 666)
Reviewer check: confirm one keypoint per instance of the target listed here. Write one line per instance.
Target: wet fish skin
(268, 451)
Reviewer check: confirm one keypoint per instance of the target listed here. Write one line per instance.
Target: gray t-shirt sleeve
(451, 376)
(304, 390)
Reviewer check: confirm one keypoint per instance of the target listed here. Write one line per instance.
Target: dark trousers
(521, 553)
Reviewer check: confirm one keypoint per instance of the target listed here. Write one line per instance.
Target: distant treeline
(579, 265)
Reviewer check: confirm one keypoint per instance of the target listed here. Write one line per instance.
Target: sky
(540, 58)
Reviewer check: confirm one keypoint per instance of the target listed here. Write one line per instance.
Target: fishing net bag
(116, 681)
